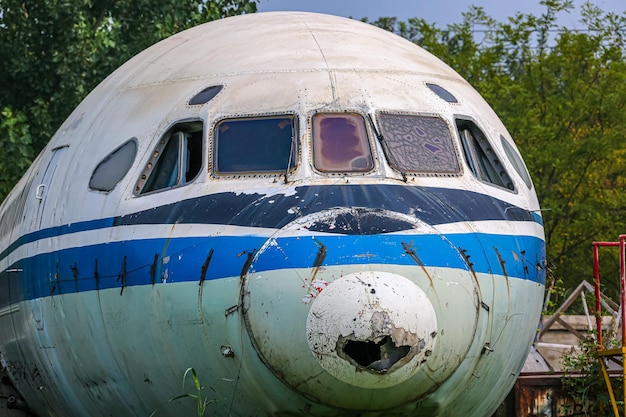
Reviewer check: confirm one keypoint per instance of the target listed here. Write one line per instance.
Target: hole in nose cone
(372, 340)
(376, 357)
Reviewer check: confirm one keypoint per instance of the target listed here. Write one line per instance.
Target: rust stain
(543, 395)
(501, 261)
(248, 263)
(408, 249)
(506, 276)
(466, 258)
(470, 266)
(74, 269)
(203, 271)
(205, 267)
(317, 263)
(56, 283)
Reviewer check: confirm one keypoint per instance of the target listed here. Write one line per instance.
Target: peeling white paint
(367, 307)
(450, 284)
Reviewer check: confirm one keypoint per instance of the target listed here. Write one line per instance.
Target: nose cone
(377, 322)
(357, 319)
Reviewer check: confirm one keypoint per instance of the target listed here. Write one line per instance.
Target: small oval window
(516, 161)
(205, 95)
(114, 167)
(442, 93)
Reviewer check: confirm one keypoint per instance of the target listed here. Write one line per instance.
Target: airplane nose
(354, 318)
(376, 321)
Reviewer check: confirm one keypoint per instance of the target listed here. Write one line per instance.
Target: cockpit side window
(517, 162)
(341, 143)
(177, 160)
(114, 167)
(419, 144)
(256, 145)
(481, 157)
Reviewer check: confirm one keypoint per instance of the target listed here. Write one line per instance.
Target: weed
(201, 402)
(583, 382)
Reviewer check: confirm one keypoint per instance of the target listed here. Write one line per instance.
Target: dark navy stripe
(57, 231)
(147, 262)
(431, 205)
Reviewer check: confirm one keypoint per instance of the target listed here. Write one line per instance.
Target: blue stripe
(140, 262)
(435, 206)
(121, 264)
(57, 231)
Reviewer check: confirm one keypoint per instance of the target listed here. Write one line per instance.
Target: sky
(439, 12)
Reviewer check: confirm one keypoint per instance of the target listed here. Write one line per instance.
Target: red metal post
(622, 279)
(611, 352)
(596, 276)
(596, 272)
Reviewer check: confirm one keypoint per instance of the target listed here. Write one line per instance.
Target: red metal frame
(602, 353)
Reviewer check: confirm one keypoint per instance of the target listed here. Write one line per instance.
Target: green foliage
(201, 402)
(54, 52)
(555, 293)
(16, 147)
(561, 95)
(583, 382)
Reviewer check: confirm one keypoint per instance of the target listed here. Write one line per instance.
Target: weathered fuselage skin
(260, 282)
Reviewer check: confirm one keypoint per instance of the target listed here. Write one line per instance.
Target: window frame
(185, 128)
(371, 146)
(295, 148)
(390, 158)
(476, 162)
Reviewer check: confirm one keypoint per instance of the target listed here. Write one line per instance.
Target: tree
(562, 95)
(54, 52)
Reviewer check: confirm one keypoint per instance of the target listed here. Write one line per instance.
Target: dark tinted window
(442, 93)
(205, 95)
(114, 167)
(255, 145)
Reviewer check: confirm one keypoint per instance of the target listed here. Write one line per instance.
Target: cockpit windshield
(419, 144)
(340, 143)
(255, 145)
